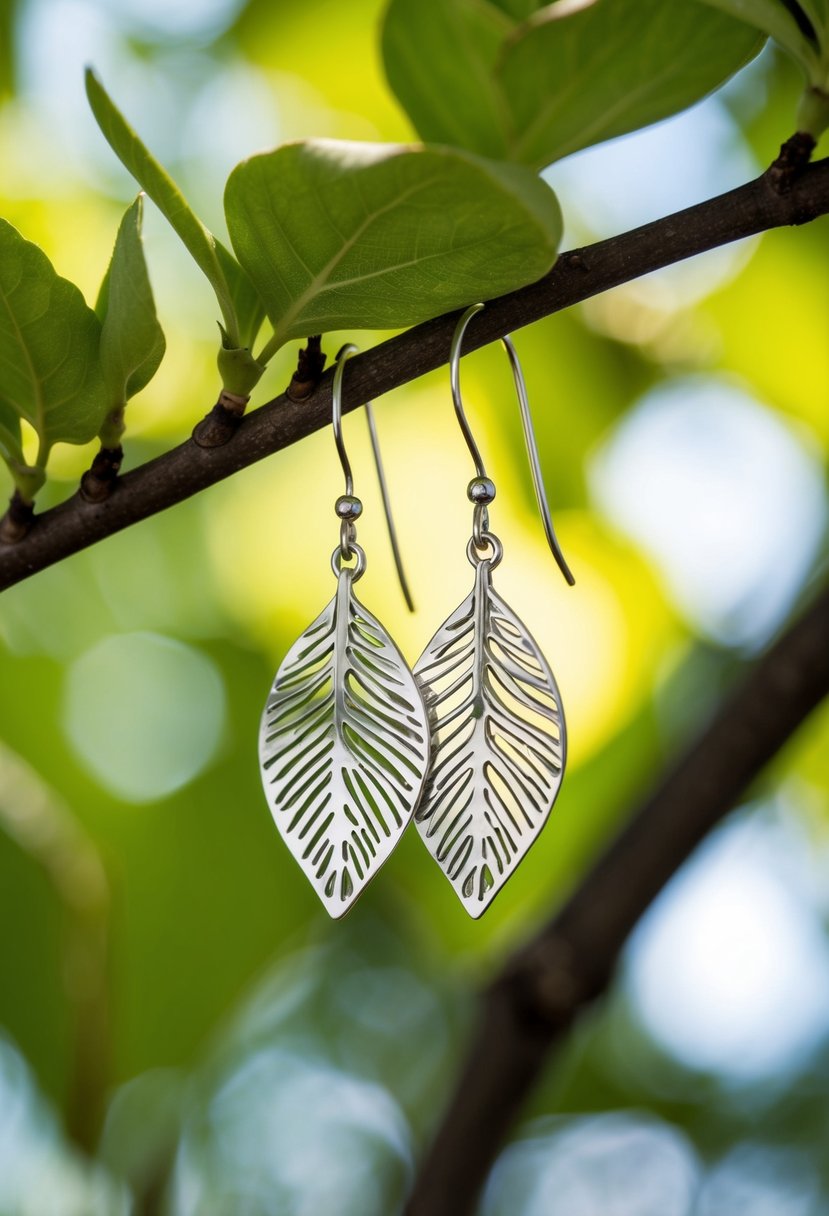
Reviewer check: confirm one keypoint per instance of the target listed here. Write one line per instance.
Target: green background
(163, 964)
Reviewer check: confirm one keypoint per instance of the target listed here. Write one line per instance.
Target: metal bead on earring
(498, 734)
(344, 741)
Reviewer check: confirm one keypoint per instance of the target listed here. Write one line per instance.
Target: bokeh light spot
(39, 1172)
(144, 713)
(730, 969)
(617, 1165)
(761, 1180)
(291, 1133)
(184, 19)
(727, 498)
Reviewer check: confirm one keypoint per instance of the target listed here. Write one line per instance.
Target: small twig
(791, 161)
(547, 984)
(310, 365)
(99, 479)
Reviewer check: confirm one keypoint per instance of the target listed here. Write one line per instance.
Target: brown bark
(169, 479)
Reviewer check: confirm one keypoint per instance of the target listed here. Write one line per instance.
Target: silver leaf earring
(498, 734)
(344, 740)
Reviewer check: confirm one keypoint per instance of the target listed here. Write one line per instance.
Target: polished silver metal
(358, 569)
(343, 747)
(489, 550)
(526, 422)
(344, 738)
(348, 540)
(480, 525)
(348, 507)
(343, 356)
(498, 741)
(481, 489)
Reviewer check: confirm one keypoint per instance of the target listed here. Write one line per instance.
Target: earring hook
(526, 422)
(343, 355)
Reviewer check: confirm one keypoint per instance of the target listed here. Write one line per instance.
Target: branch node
(221, 424)
(793, 158)
(17, 521)
(99, 480)
(310, 365)
(575, 261)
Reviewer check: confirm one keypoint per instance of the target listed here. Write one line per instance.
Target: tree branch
(531, 1005)
(169, 479)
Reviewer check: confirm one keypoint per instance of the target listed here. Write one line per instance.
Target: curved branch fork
(169, 479)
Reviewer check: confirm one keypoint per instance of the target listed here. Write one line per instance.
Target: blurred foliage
(243, 1054)
(801, 27)
(558, 79)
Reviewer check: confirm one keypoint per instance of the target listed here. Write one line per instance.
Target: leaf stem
(813, 112)
(269, 349)
(113, 428)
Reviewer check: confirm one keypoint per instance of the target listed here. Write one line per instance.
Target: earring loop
(527, 426)
(359, 567)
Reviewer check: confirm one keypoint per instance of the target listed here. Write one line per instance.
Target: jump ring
(477, 554)
(357, 570)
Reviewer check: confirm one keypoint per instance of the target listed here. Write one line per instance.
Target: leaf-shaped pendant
(343, 748)
(498, 744)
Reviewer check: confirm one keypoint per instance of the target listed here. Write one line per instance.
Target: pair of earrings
(471, 743)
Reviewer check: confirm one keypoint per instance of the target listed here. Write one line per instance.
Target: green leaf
(574, 74)
(440, 61)
(27, 480)
(48, 347)
(233, 291)
(9, 17)
(613, 67)
(518, 10)
(11, 441)
(249, 309)
(802, 29)
(774, 19)
(348, 235)
(132, 341)
(817, 11)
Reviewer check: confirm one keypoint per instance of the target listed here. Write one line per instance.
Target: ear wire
(482, 489)
(348, 507)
